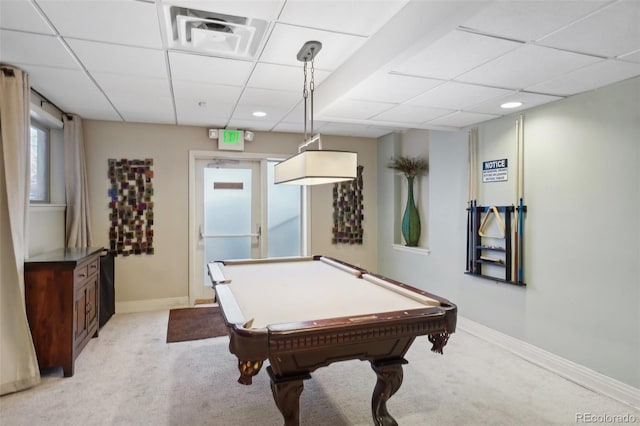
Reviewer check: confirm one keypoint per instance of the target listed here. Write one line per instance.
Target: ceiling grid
(380, 69)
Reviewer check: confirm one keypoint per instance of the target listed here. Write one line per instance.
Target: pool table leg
(390, 376)
(286, 393)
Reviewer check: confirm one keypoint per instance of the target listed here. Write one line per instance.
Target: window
(39, 184)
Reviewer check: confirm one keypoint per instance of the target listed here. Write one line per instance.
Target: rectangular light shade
(315, 167)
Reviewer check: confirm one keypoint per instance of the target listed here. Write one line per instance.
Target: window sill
(417, 250)
(47, 207)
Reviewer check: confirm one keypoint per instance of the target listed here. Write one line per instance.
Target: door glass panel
(225, 249)
(284, 219)
(227, 211)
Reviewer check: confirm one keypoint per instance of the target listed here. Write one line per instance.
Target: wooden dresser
(62, 295)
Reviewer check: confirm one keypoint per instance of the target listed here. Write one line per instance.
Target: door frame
(193, 227)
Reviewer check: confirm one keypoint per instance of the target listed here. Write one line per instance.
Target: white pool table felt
(283, 292)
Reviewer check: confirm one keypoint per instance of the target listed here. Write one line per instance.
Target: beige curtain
(78, 232)
(18, 363)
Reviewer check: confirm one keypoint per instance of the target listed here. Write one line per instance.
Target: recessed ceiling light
(509, 105)
(259, 114)
(202, 104)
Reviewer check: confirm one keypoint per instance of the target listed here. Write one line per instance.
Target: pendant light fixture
(314, 166)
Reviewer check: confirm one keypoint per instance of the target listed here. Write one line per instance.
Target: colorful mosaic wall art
(348, 210)
(131, 206)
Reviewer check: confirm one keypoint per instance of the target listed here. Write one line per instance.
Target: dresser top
(64, 255)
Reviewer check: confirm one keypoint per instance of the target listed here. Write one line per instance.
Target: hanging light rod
(315, 167)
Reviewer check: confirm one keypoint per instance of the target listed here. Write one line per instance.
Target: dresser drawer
(93, 266)
(84, 271)
(81, 274)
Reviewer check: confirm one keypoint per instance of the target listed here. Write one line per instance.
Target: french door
(238, 213)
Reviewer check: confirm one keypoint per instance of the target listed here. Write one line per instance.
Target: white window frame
(47, 178)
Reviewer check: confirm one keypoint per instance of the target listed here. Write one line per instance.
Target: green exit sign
(231, 140)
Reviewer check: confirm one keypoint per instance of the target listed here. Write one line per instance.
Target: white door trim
(193, 229)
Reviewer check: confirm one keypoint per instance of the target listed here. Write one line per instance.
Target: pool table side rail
(331, 260)
(444, 303)
(266, 260)
(230, 262)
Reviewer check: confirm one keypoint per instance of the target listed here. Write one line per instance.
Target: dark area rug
(195, 323)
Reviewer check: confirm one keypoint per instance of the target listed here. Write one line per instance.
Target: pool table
(308, 312)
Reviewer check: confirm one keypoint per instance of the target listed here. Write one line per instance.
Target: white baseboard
(577, 373)
(151, 305)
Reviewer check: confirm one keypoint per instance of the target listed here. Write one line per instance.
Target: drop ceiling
(384, 65)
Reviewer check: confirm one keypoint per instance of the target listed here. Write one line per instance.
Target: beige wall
(164, 275)
(364, 255)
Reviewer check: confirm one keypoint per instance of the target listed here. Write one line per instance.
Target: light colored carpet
(130, 376)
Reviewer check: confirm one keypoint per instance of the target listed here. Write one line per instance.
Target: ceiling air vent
(214, 33)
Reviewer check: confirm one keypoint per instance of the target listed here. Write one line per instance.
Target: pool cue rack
(492, 257)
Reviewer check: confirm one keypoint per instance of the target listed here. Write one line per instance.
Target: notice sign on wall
(495, 171)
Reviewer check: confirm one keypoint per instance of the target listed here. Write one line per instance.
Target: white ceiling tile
(289, 127)
(411, 114)
(34, 49)
(348, 108)
(461, 119)
(125, 22)
(202, 121)
(261, 9)
(529, 100)
(210, 93)
(526, 66)
(456, 95)
(274, 113)
(132, 86)
(631, 57)
(612, 31)
(252, 96)
(258, 126)
(208, 114)
(454, 54)
(296, 116)
(588, 78)
(283, 77)
(339, 15)
(286, 40)
(151, 104)
(120, 59)
(149, 116)
(144, 109)
(529, 20)
(207, 69)
(355, 130)
(392, 88)
(376, 132)
(85, 100)
(22, 15)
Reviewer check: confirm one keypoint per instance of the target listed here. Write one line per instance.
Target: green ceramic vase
(411, 218)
